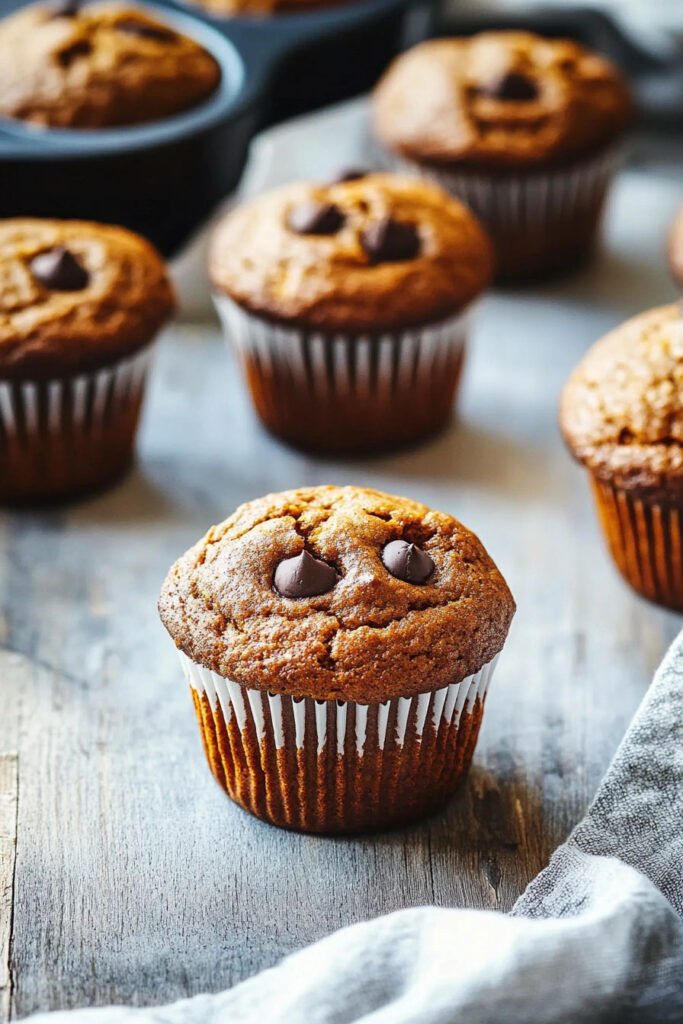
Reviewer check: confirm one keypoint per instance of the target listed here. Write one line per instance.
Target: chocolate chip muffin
(622, 417)
(338, 643)
(675, 251)
(98, 66)
(522, 129)
(348, 303)
(80, 305)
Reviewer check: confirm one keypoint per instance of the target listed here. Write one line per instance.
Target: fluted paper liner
(335, 766)
(345, 392)
(69, 434)
(539, 221)
(645, 539)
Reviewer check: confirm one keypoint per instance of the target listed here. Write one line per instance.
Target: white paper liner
(264, 711)
(83, 403)
(340, 364)
(517, 202)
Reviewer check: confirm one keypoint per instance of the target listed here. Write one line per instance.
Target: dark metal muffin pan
(162, 179)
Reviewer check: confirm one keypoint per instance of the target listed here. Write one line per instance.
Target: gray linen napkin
(597, 936)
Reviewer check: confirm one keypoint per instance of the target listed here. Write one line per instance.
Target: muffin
(622, 417)
(266, 7)
(80, 305)
(349, 306)
(98, 66)
(338, 643)
(675, 251)
(524, 130)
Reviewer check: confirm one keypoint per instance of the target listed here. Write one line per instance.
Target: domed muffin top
(382, 620)
(76, 295)
(374, 253)
(676, 247)
(98, 66)
(500, 100)
(622, 408)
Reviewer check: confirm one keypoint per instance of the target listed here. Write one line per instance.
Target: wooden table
(125, 873)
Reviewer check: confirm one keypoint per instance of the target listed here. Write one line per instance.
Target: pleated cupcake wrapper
(82, 404)
(336, 765)
(348, 391)
(341, 364)
(646, 542)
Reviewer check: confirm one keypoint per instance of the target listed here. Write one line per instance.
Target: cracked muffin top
(101, 66)
(402, 599)
(377, 252)
(622, 408)
(676, 247)
(76, 295)
(500, 99)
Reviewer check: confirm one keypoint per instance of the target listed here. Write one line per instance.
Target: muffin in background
(98, 66)
(80, 305)
(622, 417)
(349, 305)
(524, 130)
(675, 247)
(338, 643)
(260, 8)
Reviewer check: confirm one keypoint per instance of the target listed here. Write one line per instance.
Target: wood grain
(136, 880)
(9, 788)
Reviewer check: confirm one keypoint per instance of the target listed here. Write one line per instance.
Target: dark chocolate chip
(349, 174)
(315, 219)
(389, 240)
(511, 86)
(407, 562)
(65, 8)
(144, 30)
(81, 48)
(59, 270)
(304, 576)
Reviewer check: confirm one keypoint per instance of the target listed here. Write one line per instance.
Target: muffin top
(376, 252)
(389, 619)
(622, 408)
(98, 67)
(676, 247)
(500, 100)
(76, 295)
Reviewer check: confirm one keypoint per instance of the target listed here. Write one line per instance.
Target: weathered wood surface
(136, 880)
(9, 779)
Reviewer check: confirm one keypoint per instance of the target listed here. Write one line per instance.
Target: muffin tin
(162, 179)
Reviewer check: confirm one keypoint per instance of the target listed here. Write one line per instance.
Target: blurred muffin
(100, 66)
(522, 129)
(266, 7)
(338, 643)
(348, 305)
(80, 305)
(676, 247)
(622, 417)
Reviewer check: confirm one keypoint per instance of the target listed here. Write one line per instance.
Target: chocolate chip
(389, 240)
(315, 219)
(65, 8)
(144, 30)
(407, 562)
(304, 576)
(511, 86)
(349, 174)
(81, 48)
(59, 270)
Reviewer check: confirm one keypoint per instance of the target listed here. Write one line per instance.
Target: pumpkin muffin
(348, 304)
(676, 247)
(80, 305)
(522, 129)
(99, 66)
(622, 417)
(338, 643)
